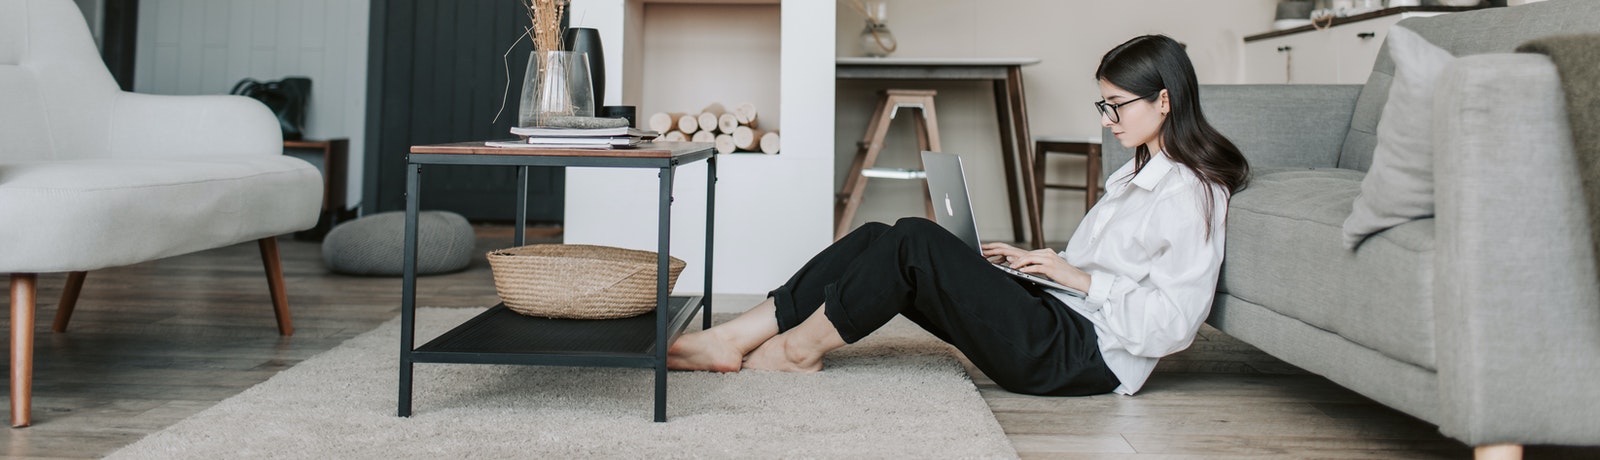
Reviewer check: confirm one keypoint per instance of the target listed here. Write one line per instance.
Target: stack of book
(576, 138)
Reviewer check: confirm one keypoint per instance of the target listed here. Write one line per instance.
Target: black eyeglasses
(1109, 110)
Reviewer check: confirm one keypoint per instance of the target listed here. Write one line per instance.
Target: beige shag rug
(900, 393)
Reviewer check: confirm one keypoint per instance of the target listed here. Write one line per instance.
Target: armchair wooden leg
(280, 299)
(22, 300)
(69, 300)
(1498, 452)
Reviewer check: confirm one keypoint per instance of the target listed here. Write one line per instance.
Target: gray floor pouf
(373, 245)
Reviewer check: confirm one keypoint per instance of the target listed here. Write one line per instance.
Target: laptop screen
(952, 206)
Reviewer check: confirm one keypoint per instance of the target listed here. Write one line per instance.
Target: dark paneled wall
(438, 72)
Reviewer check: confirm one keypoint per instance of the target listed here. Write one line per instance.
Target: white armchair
(93, 177)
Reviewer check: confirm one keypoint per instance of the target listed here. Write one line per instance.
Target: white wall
(773, 212)
(205, 46)
(1070, 36)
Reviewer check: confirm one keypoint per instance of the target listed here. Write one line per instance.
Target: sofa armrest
(1517, 307)
(144, 126)
(1275, 126)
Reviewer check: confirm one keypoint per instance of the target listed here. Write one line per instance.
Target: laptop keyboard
(1008, 269)
(1038, 279)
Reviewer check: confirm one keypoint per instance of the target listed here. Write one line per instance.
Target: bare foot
(777, 355)
(703, 351)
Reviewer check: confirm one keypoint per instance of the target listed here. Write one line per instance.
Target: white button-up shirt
(1152, 267)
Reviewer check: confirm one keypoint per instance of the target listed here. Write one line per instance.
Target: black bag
(287, 98)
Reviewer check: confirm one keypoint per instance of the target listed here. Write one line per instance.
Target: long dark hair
(1148, 64)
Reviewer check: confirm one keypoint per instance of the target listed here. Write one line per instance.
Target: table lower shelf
(502, 336)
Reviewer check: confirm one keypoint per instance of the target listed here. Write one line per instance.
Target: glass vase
(877, 41)
(556, 85)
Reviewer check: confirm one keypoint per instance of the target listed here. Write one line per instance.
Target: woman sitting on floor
(1147, 255)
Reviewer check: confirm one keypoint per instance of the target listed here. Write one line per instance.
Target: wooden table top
(645, 150)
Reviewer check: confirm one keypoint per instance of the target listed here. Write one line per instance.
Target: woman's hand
(1001, 252)
(1043, 262)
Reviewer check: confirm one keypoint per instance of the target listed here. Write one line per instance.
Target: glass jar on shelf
(876, 39)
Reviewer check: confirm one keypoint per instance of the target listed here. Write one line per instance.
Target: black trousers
(1023, 338)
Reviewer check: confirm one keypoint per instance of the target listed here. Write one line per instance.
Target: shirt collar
(1153, 171)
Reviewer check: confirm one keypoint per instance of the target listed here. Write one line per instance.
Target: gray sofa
(1484, 319)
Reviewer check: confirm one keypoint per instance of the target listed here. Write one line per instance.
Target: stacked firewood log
(731, 130)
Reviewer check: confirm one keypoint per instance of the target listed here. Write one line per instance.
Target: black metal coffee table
(501, 336)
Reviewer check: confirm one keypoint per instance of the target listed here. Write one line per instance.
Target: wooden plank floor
(154, 343)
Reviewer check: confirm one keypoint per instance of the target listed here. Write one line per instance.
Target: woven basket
(575, 281)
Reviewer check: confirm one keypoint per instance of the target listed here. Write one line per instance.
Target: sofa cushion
(1489, 30)
(1284, 252)
(21, 126)
(90, 214)
(13, 37)
(1399, 187)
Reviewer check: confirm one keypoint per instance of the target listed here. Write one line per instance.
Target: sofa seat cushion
(96, 213)
(1284, 252)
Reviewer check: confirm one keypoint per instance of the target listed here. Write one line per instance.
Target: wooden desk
(1011, 109)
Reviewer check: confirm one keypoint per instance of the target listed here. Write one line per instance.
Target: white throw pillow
(1398, 187)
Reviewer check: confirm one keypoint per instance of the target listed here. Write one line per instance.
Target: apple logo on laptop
(948, 209)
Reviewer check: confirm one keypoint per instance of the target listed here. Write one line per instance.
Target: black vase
(586, 41)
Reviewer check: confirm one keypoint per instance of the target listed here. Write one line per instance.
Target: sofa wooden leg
(22, 300)
(280, 299)
(69, 300)
(1498, 452)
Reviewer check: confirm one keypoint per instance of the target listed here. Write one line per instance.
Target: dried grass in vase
(544, 31)
(544, 17)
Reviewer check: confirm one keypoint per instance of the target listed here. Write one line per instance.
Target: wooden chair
(1089, 149)
(93, 177)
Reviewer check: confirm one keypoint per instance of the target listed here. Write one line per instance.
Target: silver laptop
(947, 185)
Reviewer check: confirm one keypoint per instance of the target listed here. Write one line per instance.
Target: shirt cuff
(1099, 289)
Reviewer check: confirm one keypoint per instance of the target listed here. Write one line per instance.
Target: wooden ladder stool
(889, 104)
